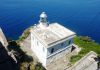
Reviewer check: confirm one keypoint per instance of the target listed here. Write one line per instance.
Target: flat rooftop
(52, 33)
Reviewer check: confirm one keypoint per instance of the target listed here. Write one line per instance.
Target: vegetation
(25, 62)
(24, 35)
(31, 66)
(87, 45)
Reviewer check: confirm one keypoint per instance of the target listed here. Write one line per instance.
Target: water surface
(81, 16)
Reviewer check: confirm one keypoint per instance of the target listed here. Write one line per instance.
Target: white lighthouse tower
(43, 20)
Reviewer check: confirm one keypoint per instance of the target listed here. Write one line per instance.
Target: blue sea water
(81, 16)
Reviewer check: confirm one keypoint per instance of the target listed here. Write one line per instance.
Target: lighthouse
(50, 42)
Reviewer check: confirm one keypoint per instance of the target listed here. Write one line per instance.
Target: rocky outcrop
(3, 39)
(7, 62)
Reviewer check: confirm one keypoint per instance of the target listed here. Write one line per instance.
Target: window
(37, 43)
(69, 42)
(43, 49)
(62, 44)
(33, 38)
(52, 50)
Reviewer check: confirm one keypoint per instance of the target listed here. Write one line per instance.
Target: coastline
(84, 42)
(81, 41)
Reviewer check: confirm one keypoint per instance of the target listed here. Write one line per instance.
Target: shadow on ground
(25, 62)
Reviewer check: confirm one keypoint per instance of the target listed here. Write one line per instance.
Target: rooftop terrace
(52, 33)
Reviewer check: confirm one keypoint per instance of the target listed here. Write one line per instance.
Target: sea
(80, 16)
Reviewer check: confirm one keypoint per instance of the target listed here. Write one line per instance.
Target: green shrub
(39, 66)
(75, 58)
(24, 35)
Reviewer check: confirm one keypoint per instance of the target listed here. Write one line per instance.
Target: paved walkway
(26, 47)
(86, 63)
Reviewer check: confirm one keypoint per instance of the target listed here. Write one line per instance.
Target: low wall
(85, 62)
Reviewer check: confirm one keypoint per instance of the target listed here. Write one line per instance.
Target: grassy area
(87, 45)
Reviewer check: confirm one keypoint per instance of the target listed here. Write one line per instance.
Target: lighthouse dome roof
(43, 15)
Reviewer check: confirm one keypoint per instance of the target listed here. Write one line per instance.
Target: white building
(49, 40)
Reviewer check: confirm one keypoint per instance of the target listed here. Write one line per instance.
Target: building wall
(38, 49)
(58, 56)
(44, 54)
(59, 46)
